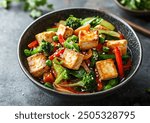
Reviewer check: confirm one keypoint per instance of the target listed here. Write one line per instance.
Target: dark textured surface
(16, 88)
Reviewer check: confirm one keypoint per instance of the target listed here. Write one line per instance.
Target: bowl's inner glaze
(46, 21)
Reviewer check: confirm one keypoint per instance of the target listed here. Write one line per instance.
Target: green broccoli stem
(62, 76)
(70, 43)
(87, 83)
(73, 22)
(57, 67)
(36, 50)
(80, 83)
(61, 72)
(44, 47)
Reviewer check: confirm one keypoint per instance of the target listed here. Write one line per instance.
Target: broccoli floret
(45, 47)
(62, 73)
(73, 22)
(78, 73)
(70, 43)
(88, 82)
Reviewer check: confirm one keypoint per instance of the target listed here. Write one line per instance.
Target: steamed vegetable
(52, 29)
(111, 83)
(87, 83)
(111, 56)
(105, 49)
(102, 22)
(55, 38)
(49, 63)
(49, 85)
(78, 73)
(111, 33)
(45, 47)
(62, 73)
(70, 43)
(94, 58)
(73, 22)
(87, 20)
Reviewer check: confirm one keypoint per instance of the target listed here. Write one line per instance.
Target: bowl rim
(70, 94)
(130, 10)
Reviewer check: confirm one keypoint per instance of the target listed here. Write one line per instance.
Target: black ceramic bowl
(47, 20)
(140, 13)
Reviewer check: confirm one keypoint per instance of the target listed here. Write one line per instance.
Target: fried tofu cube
(121, 44)
(88, 39)
(47, 36)
(106, 69)
(72, 59)
(37, 64)
(65, 31)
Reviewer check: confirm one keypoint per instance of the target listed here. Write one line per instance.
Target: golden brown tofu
(106, 69)
(121, 44)
(47, 36)
(72, 59)
(37, 64)
(88, 39)
(65, 31)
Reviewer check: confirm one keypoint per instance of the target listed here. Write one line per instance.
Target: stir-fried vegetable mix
(79, 55)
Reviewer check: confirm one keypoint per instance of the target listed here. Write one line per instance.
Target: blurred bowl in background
(141, 13)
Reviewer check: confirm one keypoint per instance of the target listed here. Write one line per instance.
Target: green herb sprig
(32, 6)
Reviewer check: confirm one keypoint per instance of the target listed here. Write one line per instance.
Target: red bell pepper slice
(55, 46)
(99, 47)
(33, 44)
(61, 39)
(57, 54)
(119, 62)
(128, 65)
(121, 36)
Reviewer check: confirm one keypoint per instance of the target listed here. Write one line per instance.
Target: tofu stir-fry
(79, 55)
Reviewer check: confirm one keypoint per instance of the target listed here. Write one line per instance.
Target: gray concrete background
(17, 89)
